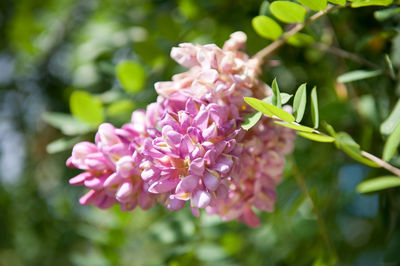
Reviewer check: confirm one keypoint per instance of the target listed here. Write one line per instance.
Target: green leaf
(378, 183)
(68, 124)
(358, 75)
(86, 107)
(299, 102)
(61, 144)
(250, 120)
(338, 2)
(316, 137)
(390, 123)
(267, 27)
(346, 143)
(315, 5)
(300, 39)
(295, 127)
(269, 109)
(285, 97)
(391, 144)
(120, 107)
(258, 105)
(131, 75)
(385, 14)
(288, 12)
(362, 3)
(276, 98)
(314, 107)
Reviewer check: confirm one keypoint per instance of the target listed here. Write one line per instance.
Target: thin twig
(321, 224)
(348, 55)
(381, 163)
(264, 53)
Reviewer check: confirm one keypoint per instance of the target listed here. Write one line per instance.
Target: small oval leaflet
(288, 12)
(267, 27)
(315, 5)
(131, 75)
(86, 107)
(378, 183)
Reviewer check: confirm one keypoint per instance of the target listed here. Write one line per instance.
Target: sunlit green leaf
(378, 183)
(276, 98)
(269, 109)
(316, 137)
(391, 144)
(314, 107)
(391, 122)
(258, 105)
(86, 107)
(358, 75)
(288, 12)
(338, 2)
(299, 102)
(267, 27)
(250, 120)
(285, 97)
(315, 5)
(131, 75)
(361, 3)
(300, 39)
(385, 14)
(295, 127)
(68, 124)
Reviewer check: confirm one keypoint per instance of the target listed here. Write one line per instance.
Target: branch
(381, 163)
(267, 51)
(348, 55)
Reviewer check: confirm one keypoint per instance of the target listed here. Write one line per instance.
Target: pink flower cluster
(189, 145)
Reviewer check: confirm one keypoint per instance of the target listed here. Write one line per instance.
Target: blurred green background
(50, 49)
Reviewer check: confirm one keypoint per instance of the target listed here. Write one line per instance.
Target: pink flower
(189, 145)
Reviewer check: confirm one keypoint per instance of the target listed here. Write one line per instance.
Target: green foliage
(385, 14)
(300, 39)
(392, 144)
(288, 12)
(378, 183)
(338, 2)
(269, 109)
(68, 124)
(362, 3)
(388, 126)
(358, 75)
(316, 137)
(131, 75)
(267, 27)
(299, 102)
(250, 120)
(295, 126)
(86, 107)
(314, 107)
(315, 5)
(276, 98)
